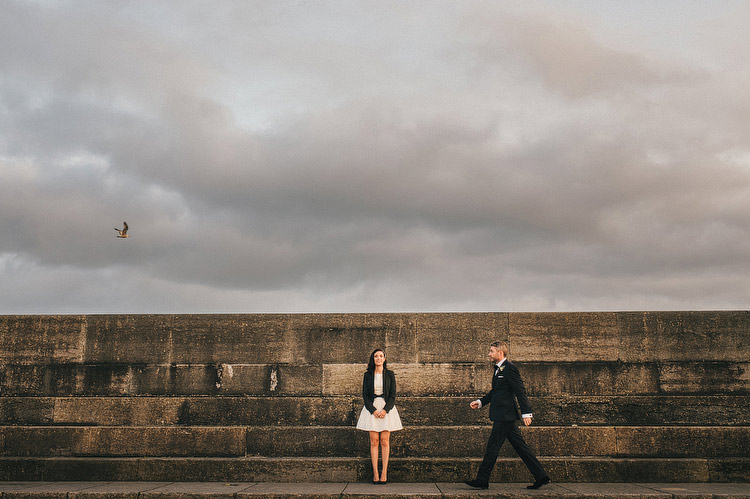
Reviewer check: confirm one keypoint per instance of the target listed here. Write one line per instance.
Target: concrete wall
(605, 354)
(617, 396)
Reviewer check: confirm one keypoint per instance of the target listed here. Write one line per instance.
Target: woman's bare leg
(385, 444)
(374, 442)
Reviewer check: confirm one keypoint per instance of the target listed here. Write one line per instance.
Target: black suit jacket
(389, 390)
(507, 386)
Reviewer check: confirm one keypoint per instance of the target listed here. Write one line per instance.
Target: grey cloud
(488, 158)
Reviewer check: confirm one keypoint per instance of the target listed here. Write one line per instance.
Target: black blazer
(507, 386)
(389, 390)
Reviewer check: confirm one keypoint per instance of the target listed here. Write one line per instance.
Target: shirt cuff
(529, 415)
(480, 403)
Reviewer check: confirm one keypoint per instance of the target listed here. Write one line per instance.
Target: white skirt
(368, 422)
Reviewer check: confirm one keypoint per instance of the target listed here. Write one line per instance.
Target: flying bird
(122, 233)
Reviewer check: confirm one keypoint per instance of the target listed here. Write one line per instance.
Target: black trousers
(500, 431)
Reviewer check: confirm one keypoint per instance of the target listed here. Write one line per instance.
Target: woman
(379, 416)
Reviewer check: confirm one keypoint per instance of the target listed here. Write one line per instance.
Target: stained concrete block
(233, 339)
(346, 379)
(424, 469)
(69, 469)
(689, 336)
(721, 410)
(568, 337)
(411, 379)
(705, 377)
(438, 411)
(439, 379)
(123, 441)
(291, 441)
(26, 410)
(589, 378)
(571, 441)
(64, 379)
(164, 441)
(426, 441)
(29, 339)
(350, 338)
(468, 442)
(732, 469)
(248, 469)
(117, 411)
(458, 337)
(683, 442)
(128, 339)
(39, 441)
(273, 379)
(630, 470)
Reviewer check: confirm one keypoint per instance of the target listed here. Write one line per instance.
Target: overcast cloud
(348, 156)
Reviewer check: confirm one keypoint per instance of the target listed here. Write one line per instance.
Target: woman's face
(379, 358)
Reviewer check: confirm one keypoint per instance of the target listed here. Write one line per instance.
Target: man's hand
(527, 421)
(474, 405)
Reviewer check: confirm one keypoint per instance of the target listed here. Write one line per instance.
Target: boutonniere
(501, 368)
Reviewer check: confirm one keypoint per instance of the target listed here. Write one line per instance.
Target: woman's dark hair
(371, 364)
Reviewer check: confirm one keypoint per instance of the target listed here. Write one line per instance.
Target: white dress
(368, 422)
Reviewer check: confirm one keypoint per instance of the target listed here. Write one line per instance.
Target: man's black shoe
(539, 483)
(477, 484)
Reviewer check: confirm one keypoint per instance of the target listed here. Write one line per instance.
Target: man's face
(496, 355)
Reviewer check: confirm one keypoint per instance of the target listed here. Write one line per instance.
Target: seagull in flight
(122, 233)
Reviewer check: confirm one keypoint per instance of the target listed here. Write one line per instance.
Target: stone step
(361, 490)
(339, 441)
(249, 469)
(348, 338)
(593, 378)
(718, 410)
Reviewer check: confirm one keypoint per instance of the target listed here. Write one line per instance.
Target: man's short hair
(500, 345)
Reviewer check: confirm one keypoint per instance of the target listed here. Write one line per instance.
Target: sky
(374, 156)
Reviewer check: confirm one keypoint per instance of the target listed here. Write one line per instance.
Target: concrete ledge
(446, 379)
(341, 441)
(569, 469)
(185, 490)
(609, 410)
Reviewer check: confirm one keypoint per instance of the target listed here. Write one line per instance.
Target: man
(507, 386)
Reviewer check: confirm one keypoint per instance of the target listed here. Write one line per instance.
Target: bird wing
(124, 228)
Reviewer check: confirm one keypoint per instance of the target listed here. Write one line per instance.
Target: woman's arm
(391, 400)
(367, 393)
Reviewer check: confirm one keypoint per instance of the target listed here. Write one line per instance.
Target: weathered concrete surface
(123, 441)
(153, 397)
(623, 490)
(683, 441)
(348, 338)
(294, 490)
(35, 338)
(111, 490)
(570, 337)
(308, 490)
(635, 410)
(542, 379)
(467, 441)
(326, 469)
